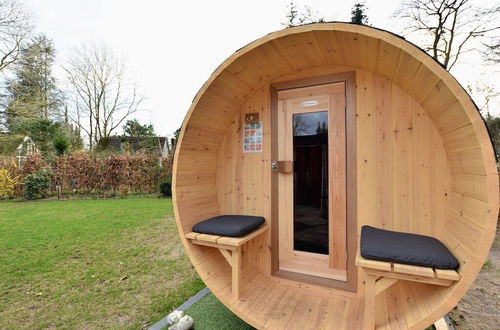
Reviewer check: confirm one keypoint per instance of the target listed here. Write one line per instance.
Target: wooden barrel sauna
(405, 149)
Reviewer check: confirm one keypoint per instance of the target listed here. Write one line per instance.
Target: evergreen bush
(37, 184)
(166, 188)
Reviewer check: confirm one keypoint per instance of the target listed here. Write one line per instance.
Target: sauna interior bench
(230, 248)
(381, 275)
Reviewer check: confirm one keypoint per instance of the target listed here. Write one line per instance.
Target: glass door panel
(310, 155)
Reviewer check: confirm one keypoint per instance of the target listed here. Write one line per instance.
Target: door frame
(331, 100)
(351, 194)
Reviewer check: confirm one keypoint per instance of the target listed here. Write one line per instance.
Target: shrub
(14, 171)
(166, 188)
(142, 174)
(8, 183)
(33, 164)
(37, 184)
(124, 190)
(86, 169)
(114, 168)
(87, 172)
(167, 165)
(61, 145)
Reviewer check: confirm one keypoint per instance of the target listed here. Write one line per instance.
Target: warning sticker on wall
(252, 137)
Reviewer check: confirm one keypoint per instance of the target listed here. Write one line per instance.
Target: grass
(209, 313)
(496, 242)
(91, 264)
(487, 265)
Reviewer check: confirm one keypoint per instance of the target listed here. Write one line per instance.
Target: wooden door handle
(282, 166)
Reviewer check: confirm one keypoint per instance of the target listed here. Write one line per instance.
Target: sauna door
(312, 180)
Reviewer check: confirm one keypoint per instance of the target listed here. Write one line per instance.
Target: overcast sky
(172, 47)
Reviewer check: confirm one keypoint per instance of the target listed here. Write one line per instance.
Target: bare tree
(295, 18)
(15, 27)
(448, 25)
(103, 97)
(291, 15)
(485, 95)
(491, 52)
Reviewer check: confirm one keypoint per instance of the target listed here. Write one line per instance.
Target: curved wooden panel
(425, 164)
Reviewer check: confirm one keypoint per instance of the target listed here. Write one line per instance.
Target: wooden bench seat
(380, 275)
(230, 248)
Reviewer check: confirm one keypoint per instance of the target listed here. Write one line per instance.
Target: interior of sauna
(402, 140)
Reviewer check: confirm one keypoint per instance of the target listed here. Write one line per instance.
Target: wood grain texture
(407, 269)
(447, 274)
(424, 164)
(332, 98)
(319, 84)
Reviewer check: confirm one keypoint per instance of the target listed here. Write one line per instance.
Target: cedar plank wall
(403, 176)
(244, 179)
(472, 202)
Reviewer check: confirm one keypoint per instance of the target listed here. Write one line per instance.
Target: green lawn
(209, 313)
(91, 264)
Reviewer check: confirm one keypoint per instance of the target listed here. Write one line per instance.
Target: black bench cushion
(405, 248)
(229, 225)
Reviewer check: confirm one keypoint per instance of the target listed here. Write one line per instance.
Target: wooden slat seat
(230, 248)
(381, 275)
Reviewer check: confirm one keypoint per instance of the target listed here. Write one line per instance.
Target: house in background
(149, 144)
(16, 146)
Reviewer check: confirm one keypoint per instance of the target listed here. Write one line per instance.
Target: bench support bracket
(233, 258)
(380, 275)
(230, 248)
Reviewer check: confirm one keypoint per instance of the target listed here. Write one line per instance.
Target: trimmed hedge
(84, 172)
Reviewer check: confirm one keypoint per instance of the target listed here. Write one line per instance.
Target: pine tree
(358, 14)
(32, 92)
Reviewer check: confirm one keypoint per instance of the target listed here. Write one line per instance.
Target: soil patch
(479, 308)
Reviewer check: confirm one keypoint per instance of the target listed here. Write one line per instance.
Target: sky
(172, 47)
